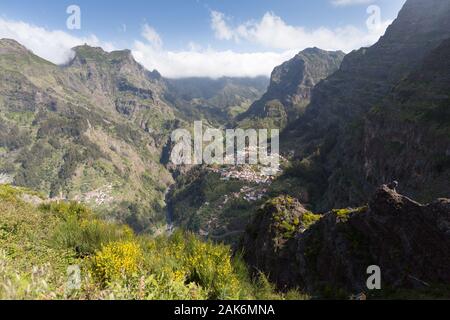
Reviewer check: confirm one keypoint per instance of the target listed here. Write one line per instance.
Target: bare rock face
(407, 137)
(121, 84)
(291, 85)
(409, 241)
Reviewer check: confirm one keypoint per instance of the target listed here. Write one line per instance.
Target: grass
(39, 244)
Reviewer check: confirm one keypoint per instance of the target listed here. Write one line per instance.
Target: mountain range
(97, 130)
(94, 130)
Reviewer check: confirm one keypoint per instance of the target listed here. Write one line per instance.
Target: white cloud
(200, 62)
(272, 32)
(220, 27)
(150, 34)
(342, 3)
(208, 62)
(54, 46)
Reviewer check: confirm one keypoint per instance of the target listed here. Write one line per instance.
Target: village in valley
(254, 186)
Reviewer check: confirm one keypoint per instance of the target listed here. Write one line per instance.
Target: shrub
(186, 258)
(309, 218)
(160, 287)
(8, 193)
(344, 214)
(67, 210)
(210, 265)
(79, 230)
(36, 283)
(87, 236)
(115, 261)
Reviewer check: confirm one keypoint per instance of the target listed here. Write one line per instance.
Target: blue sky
(212, 37)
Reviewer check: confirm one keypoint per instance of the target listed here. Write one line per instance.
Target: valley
(85, 153)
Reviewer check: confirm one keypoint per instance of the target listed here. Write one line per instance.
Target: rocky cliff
(121, 85)
(407, 136)
(290, 88)
(329, 255)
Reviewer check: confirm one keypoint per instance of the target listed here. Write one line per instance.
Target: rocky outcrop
(291, 85)
(266, 239)
(409, 241)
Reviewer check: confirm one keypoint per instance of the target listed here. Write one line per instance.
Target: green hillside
(40, 239)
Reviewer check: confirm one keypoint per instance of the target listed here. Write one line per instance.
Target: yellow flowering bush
(210, 265)
(185, 258)
(116, 260)
(171, 288)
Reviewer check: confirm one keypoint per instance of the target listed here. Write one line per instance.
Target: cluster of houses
(99, 197)
(253, 194)
(245, 173)
(250, 194)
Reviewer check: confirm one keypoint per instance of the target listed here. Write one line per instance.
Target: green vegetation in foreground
(40, 241)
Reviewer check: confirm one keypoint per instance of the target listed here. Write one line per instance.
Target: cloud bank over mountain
(52, 45)
(208, 62)
(278, 41)
(274, 33)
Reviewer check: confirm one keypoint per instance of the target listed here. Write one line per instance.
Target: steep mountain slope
(407, 136)
(290, 88)
(217, 101)
(383, 116)
(119, 84)
(62, 133)
(329, 140)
